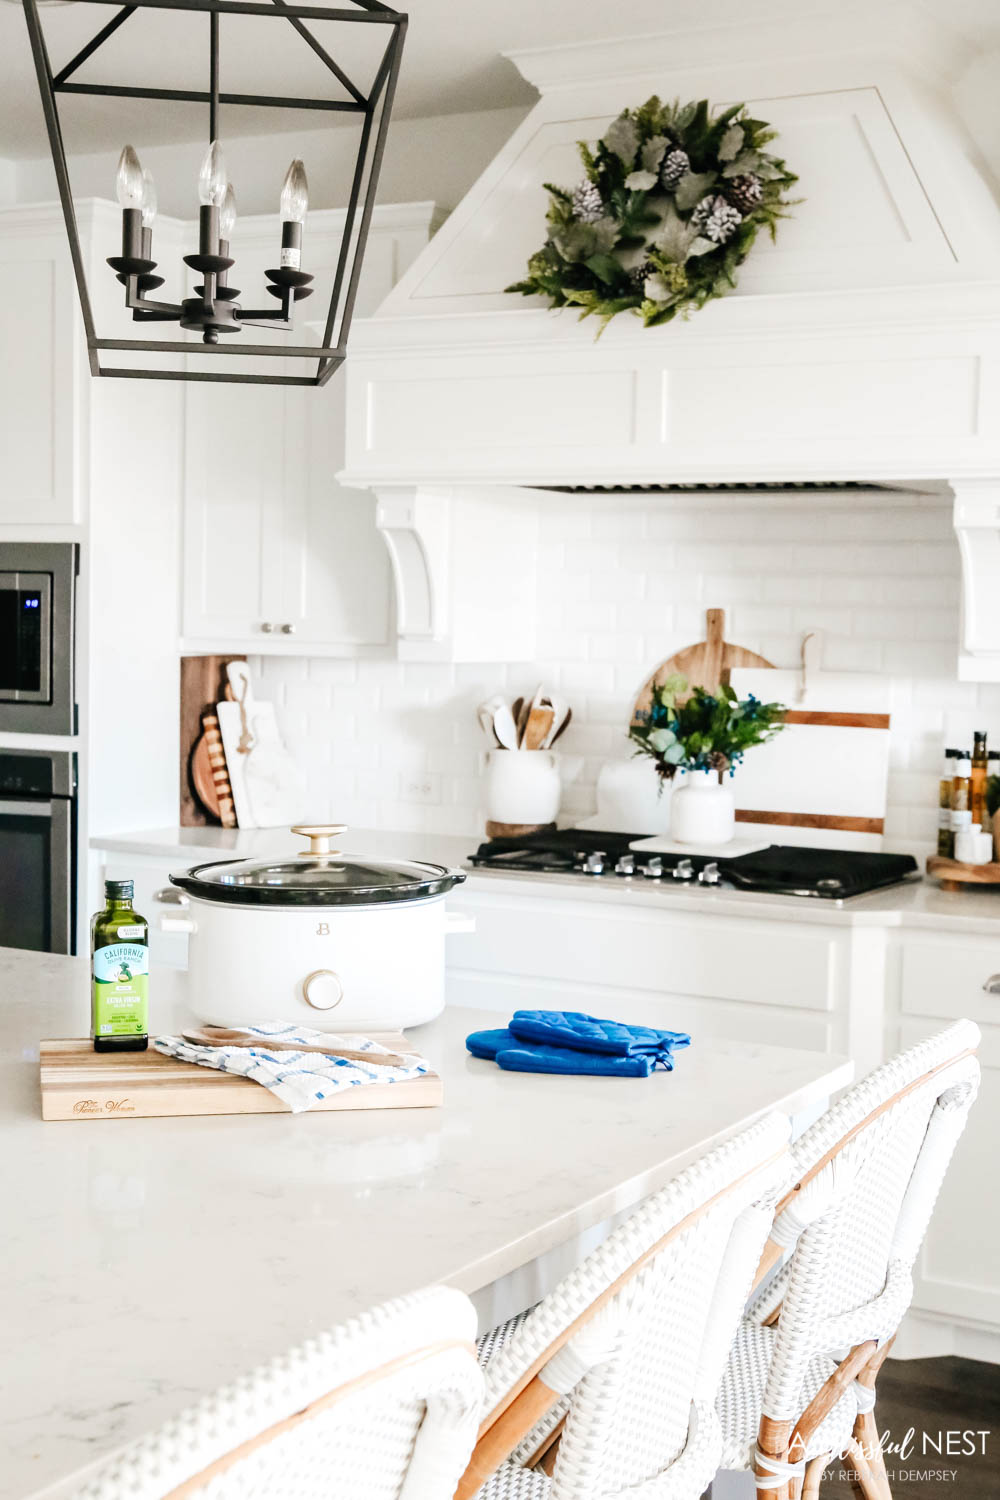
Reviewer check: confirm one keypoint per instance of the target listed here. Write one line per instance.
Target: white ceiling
(452, 60)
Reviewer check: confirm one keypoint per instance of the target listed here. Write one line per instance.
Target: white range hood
(865, 345)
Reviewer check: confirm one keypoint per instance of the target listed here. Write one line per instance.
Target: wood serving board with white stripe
(78, 1083)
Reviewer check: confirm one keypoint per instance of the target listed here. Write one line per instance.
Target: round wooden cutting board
(705, 665)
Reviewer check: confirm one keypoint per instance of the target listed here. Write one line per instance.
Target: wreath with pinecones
(670, 206)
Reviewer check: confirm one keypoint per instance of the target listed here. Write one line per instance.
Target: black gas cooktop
(781, 869)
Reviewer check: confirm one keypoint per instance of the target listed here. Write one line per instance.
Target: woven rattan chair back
(869, 1172)
(383, 1407)
(638, 1334)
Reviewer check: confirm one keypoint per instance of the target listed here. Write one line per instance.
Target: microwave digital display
(23, 640)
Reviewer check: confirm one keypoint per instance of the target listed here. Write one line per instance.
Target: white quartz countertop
(918, 904)
(149, 1261)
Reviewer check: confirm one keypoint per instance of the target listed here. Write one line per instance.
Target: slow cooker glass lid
(320, 876)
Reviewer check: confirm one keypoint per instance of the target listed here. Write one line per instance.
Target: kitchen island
(150, 1260)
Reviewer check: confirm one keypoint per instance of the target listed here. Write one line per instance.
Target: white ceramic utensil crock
(522, 786)
(336, 943)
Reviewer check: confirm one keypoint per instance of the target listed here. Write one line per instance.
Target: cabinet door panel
(958, 1270)
(233, 462)
(39, 335)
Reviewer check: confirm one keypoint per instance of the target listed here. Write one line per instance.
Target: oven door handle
(11, 807)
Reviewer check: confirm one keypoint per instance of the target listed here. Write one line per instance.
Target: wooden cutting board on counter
(78, 1083)
(705, 665)
(824, 779)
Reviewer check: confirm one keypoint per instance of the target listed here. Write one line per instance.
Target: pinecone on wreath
(673, 167)
(745, 192)
(588, 205)
(716, 219)
(637, 276)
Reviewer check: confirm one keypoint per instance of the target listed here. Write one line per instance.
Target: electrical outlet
(425, 787)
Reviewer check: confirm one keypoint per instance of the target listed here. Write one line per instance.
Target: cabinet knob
(288, 629)
(266, 626)
(992, 985)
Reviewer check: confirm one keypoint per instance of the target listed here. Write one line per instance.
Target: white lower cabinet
(939, 978)
(785, 983)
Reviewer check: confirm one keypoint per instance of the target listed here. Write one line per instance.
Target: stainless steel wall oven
(38, 850)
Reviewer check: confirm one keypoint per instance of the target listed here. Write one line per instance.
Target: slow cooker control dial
(319, 836)
(322, 989)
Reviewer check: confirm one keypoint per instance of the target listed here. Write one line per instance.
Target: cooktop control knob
(710, 874)
(653, 868)
(625, 864)
(683, 870)
(594, 862)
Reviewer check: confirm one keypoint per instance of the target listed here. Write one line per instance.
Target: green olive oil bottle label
(121, 1000)
(120, 973)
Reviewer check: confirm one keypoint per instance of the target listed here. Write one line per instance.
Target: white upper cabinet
(278, 556)
(40, 336)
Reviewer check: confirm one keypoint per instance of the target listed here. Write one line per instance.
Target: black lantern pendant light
(214, 311)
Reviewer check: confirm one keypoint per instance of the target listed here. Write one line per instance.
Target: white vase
(522, 786)
(702, 810)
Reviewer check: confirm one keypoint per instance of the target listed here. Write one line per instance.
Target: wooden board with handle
(706, 664)
(78, 1083)
(202, 681)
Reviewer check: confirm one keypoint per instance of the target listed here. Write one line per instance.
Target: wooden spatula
(705, 665)
(223, 1036)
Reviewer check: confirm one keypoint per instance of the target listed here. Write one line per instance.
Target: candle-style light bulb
(129, 184)
(212, 177)
(148, 199)
(294, 194)
(227, 213)
(294, 202)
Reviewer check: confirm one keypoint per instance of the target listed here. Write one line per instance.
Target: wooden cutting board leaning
(823, 780)
(78, 1083)
(268, 788)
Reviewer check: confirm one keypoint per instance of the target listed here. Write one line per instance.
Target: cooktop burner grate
(781, 869)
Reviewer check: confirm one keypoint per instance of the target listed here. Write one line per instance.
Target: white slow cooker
(332, 942)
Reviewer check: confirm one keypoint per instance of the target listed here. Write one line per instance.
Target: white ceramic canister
(522, 786)
(332, 942)
(702, 810)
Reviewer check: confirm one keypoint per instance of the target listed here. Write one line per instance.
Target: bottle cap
(124, 888)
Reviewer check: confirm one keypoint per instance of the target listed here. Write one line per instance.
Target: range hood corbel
(977, 526)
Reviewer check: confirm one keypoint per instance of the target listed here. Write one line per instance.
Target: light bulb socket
(291, 244)
(208, 226)
(132, 234)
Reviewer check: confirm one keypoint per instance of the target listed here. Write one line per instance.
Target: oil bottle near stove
(119, 949)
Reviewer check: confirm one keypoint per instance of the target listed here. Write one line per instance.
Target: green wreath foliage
(670, 206)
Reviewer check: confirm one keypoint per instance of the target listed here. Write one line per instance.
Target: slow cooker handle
(319, 836)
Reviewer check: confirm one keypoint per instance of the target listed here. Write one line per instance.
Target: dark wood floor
(936, 1397)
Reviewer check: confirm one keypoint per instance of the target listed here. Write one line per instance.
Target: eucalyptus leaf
(692, 188)
(701, 246)
(641, 181)
(652, 152)
(747, 162)
(732, 143)
(622, 138)
(674, 237)
(655, 289)
(661, 739)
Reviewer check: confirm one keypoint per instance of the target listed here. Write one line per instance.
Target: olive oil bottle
(119, 948)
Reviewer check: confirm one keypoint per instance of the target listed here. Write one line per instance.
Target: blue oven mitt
(572, 1028)
(516, 1056)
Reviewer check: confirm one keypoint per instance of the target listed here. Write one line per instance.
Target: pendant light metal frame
(375, 107)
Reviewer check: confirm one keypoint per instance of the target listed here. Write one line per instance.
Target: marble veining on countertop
(917, 904)
(151, 1260)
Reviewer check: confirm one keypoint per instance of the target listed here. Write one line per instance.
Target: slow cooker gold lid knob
(319, 836)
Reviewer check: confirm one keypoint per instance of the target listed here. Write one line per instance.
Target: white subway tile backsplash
(624, 582)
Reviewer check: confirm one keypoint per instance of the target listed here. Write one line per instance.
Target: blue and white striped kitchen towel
(299, 1079)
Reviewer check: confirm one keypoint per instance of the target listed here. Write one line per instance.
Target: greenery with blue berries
(691, 729)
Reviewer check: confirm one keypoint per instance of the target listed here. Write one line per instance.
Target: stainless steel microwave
(37, 631)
